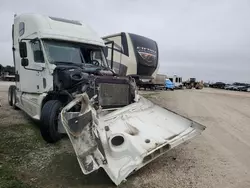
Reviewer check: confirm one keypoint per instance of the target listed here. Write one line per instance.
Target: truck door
(31, 76)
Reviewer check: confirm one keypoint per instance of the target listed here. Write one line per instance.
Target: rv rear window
(21, 28)
(65, 20)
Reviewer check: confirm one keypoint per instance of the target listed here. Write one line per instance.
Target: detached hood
(123, 140)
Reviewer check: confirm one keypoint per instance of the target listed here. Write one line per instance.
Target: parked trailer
(135, 56)
(64, 81)
(8, 77)
(157, 83)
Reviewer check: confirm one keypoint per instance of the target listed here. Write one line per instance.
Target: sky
(206, 39)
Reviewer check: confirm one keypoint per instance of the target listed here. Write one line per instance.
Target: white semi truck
(64, 81)
(133, 55)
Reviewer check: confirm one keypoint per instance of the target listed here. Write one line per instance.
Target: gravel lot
(220, 157)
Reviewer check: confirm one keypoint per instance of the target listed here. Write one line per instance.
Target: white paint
(42, 26)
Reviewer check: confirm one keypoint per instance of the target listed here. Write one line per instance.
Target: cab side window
(21, 28)
(37, 51)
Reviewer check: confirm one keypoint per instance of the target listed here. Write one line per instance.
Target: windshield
(59, 52)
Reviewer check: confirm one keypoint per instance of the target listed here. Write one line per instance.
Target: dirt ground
(220, 157)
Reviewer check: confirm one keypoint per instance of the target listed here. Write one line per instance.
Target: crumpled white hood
(125, 139)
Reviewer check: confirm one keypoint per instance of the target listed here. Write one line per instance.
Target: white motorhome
(64, 81)
(133, 55)
(177, 81)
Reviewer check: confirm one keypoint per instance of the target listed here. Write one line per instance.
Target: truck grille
(113, 95)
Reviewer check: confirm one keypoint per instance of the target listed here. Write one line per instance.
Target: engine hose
(67, 93)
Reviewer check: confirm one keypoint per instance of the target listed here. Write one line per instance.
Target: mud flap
(123, 140)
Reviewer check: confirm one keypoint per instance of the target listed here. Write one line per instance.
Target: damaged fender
(123, 140)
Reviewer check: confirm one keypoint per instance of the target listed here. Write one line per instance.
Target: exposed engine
(106, 89)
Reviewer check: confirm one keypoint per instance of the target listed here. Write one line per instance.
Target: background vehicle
(238, 88)
(133, 55)
(156, 83)
(159, 81)
(169, 85)
(229, 87)
(206, 84)
(8, 77)
(7, 73)
(177, 81)
(219, 85)
(245, 88)
(192, 83)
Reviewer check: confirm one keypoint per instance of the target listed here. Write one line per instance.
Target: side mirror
(105, 50)
(24, 62)
(22, 49)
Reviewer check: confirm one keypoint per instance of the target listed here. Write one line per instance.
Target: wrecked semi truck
(64, 81)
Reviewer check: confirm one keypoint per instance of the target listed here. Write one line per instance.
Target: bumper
(124, 140)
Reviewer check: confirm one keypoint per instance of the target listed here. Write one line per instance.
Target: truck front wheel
(10, 94)
(14, 99)
(49, 121)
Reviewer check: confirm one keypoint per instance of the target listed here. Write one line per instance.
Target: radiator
(113, 95)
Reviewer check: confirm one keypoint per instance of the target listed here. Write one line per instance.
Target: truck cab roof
(42, 26)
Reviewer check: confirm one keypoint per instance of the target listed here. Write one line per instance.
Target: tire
(10, 94)
(14, 99)
(49, 121)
